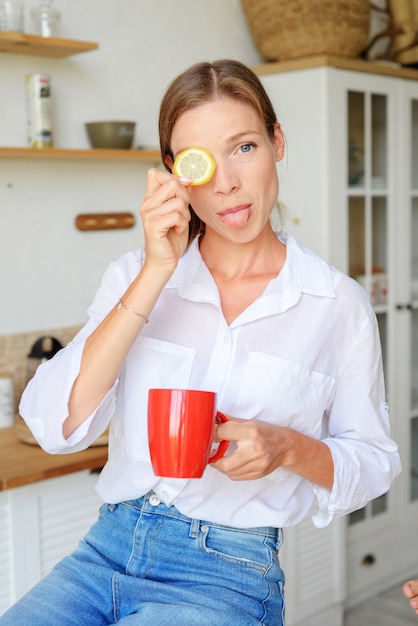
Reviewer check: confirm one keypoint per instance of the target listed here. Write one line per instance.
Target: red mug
(180, 431)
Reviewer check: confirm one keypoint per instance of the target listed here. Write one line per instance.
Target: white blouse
(306, 354)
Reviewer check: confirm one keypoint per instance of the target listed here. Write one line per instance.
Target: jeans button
(154, 500)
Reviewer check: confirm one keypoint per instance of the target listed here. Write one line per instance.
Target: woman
(289, 344)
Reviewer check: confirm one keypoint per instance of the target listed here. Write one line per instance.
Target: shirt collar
(192, 278)
(302, 273)
(306, 269)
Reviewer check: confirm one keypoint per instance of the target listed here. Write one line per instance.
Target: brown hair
(204, 82)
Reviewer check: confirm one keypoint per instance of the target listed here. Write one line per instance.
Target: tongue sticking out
(236, 218)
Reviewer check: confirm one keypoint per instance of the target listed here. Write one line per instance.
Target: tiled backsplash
(14, 350)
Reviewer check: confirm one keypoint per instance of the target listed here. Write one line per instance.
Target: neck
(264, 255)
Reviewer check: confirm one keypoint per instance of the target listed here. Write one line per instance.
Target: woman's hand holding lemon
(165, 215)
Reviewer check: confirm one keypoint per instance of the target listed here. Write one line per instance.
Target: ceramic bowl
(113, 135)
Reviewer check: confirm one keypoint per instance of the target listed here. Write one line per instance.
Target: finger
(168, 190)
(177, 220)
(234, 429)
(409, 589)
(171, 213)
(156, 178)
(237, 471)
(167, 198)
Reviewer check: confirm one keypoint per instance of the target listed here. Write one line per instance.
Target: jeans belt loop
(194, 528)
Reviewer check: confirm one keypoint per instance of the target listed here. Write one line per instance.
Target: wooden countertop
(22, 463)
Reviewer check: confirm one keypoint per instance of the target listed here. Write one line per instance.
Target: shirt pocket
(282, 392)
(151, 363)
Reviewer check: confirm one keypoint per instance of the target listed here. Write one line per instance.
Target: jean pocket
(245, 549)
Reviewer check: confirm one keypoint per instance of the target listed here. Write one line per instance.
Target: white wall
(49, 270)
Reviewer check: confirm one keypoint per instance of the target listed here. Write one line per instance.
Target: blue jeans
(145, 563)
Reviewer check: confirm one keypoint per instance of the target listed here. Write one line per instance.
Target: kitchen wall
(50, 270)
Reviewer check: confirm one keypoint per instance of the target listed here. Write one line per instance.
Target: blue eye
(247, 147)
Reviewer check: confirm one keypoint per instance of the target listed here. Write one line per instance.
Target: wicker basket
(290, 29)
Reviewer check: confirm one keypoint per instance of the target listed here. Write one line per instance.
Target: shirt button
(154, 500)
(226, 339)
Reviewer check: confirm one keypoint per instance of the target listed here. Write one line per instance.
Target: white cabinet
(39, 524)
(315, 574)
(349, 187)
(6, 559)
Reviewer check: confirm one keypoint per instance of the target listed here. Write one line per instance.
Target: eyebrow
(243, 134)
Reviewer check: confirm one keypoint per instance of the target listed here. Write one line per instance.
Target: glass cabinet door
(413, 304)
(367, 182)
(414, 408)
(368, 220)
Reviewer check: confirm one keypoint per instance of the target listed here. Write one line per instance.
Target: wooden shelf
(20, 43)
(150, 156)
(386, 68)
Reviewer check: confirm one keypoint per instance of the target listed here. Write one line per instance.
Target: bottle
(45, 20)
(39, 110)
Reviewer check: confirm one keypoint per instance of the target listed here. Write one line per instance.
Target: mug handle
(223, 446)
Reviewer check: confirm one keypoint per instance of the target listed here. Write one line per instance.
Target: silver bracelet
(128, 308)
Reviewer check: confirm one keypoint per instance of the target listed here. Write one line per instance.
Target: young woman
(289, 344)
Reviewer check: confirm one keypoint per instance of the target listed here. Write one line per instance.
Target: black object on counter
(45, 348)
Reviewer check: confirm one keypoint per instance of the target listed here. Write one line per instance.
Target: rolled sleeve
(366, 458)
(44, 403)
(361, 473)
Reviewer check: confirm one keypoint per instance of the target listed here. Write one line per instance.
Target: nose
(225, 179)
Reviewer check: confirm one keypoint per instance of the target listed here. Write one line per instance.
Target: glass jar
(11, 16)
(45, 20)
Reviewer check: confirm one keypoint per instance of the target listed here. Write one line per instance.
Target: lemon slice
(195, 163)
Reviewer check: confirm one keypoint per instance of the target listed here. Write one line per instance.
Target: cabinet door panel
(6, 581)
(39, 525)
(315, 571)
(68, 507)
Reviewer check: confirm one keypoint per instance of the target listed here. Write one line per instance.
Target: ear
(168, 162)
(278, 142)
